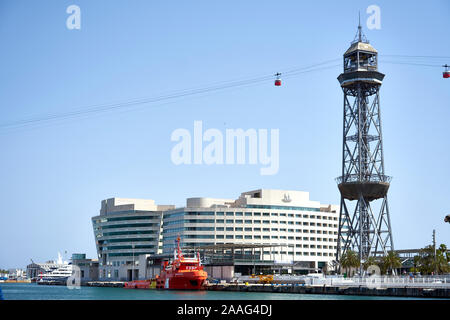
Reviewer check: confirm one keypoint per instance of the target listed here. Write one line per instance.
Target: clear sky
(54, 175)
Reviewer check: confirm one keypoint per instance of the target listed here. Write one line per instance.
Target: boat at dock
(182, 273)
(55, 272)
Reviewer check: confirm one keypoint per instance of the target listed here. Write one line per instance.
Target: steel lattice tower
(364, 223)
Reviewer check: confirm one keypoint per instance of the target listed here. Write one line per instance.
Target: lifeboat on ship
(182, 273)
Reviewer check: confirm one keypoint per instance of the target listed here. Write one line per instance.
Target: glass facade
(194, 229)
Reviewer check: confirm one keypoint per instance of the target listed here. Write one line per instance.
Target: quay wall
(414, 292)
(337, 290)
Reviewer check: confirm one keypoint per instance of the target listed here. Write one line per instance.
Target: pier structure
(364, 222)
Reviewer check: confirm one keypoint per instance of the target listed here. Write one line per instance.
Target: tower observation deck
(364, 223)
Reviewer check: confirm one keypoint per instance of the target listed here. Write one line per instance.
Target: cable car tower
(364, 223)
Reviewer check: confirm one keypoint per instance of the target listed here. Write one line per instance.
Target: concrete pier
(110, 284)
(394, 291)
(336, 290)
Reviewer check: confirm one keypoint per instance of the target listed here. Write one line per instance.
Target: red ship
(182, 273)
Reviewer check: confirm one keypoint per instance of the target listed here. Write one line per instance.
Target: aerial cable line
(410, 56)
(217, 86)
(175, 95)
(413, 64)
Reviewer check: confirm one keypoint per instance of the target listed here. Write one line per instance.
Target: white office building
(125, 231)
(299, 231)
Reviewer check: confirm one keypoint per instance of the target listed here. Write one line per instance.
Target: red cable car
(277, 80)
(446, 73)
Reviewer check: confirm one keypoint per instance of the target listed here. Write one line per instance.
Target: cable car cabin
(277, 79)
(446, 73)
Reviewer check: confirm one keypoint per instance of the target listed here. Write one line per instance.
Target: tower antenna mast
(364, 222)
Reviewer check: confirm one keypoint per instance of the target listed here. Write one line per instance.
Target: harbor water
(33, 291)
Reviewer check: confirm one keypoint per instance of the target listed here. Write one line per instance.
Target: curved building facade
(298, 229)
(125, 230)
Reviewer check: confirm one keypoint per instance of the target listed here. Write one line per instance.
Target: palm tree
(429, 263)
(444, 250)
(370, 261)
(391, 261)
(349, 259)
(442, 259)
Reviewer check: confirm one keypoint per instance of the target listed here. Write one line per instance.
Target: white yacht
(59, 270)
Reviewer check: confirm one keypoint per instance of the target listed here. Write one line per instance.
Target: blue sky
(54, 175)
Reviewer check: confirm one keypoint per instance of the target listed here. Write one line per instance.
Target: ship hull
(182, 281)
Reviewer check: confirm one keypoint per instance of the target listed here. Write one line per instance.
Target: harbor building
(125, 230)
(266, 228)
(88, 267)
